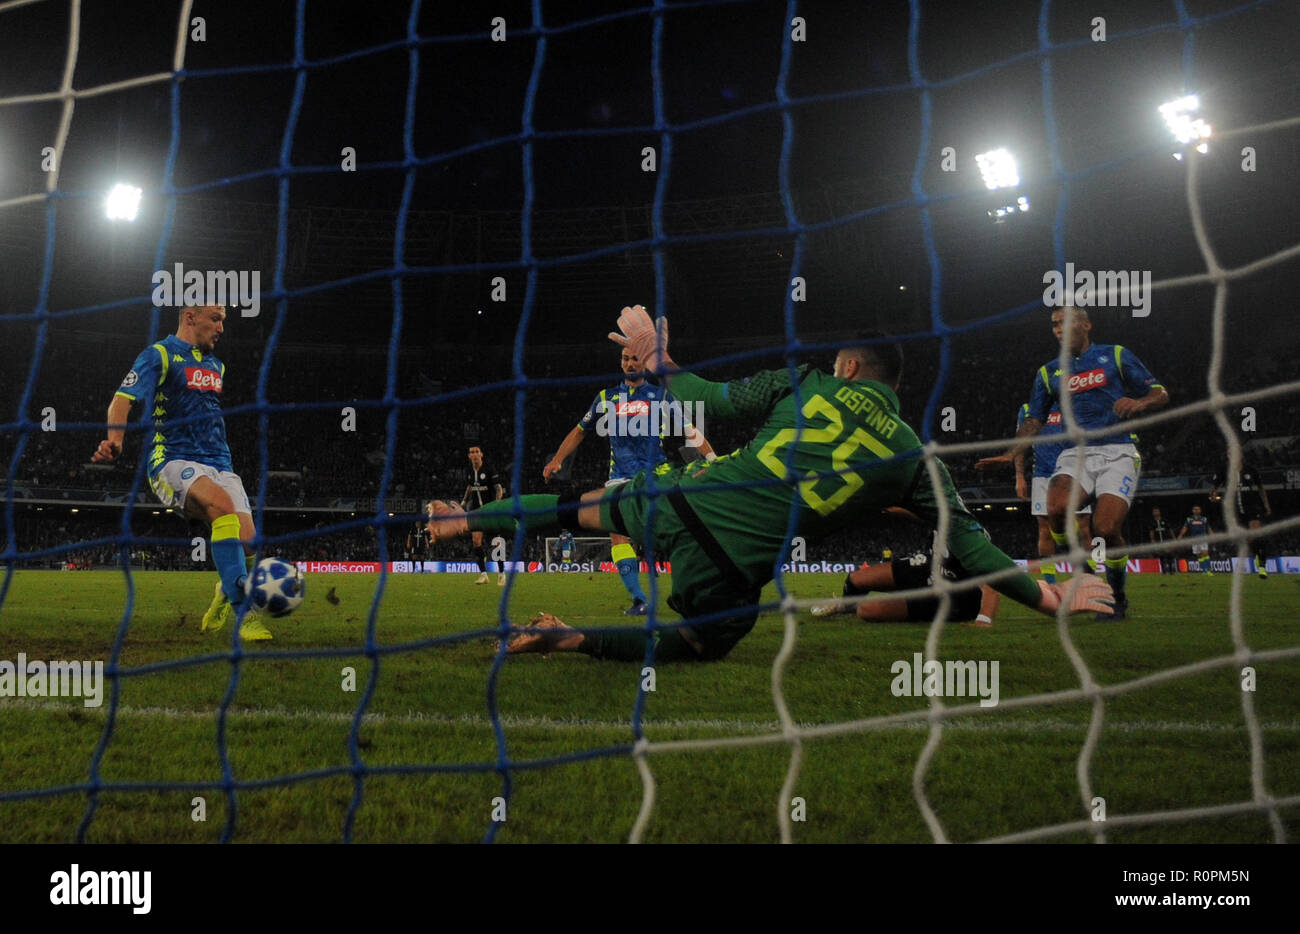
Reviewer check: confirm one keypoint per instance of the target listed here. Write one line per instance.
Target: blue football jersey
(634, 419)
(1099, 377)
(1197, 526)
(181, 382)
(1045, 455)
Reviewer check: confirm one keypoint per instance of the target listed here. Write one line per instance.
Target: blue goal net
(422, 224)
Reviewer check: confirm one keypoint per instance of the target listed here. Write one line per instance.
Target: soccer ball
(275, 587)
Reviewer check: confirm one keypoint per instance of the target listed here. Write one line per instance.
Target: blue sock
(629, 571)
(228, 556)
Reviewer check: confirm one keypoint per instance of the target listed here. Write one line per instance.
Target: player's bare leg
(1083, 521)
(876, 577)
(880, 578)
(860, 582)
(1107, 521)
(1046, 550)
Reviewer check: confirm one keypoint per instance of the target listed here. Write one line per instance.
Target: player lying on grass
(976, 605)
(850, 455)
(189, 464)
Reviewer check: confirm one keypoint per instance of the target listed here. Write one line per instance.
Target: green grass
(1179, 744)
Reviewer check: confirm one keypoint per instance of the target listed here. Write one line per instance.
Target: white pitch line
(577, 724)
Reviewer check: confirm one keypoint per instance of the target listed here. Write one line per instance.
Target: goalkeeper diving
(832, 445)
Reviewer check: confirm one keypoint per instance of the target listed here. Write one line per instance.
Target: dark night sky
(848, 153)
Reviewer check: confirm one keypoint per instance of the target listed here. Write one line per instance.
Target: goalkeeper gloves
(647, 340)
(1079, 594)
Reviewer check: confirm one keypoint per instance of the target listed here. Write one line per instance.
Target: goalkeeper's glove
(646, 340)
(1079, 594)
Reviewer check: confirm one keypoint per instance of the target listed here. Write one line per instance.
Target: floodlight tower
(1187, 128)
(122, 203)
(998, 169)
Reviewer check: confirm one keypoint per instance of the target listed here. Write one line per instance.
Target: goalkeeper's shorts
(706, 582)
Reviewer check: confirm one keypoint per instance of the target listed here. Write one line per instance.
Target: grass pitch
(1179, 744)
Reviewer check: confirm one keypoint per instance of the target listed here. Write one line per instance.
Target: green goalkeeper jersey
(854, 455)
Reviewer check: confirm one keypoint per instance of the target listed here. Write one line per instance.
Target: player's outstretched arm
(567, 447)
(111, 447)
(1022, 483)
(1028, 428)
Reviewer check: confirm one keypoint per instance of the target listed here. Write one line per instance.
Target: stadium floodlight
(1187, 128)
(1002, 212)
(998, 168)
(122, 203)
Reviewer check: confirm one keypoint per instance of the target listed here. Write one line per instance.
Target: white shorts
(173, 482)
(1200, 549)
(1038, 498)
(1107, 468)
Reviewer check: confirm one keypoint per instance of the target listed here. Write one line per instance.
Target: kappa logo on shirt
(1082, 382)
(196, 377)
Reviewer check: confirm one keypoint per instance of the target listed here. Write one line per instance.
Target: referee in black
(1160, 533)
(1252, 507)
